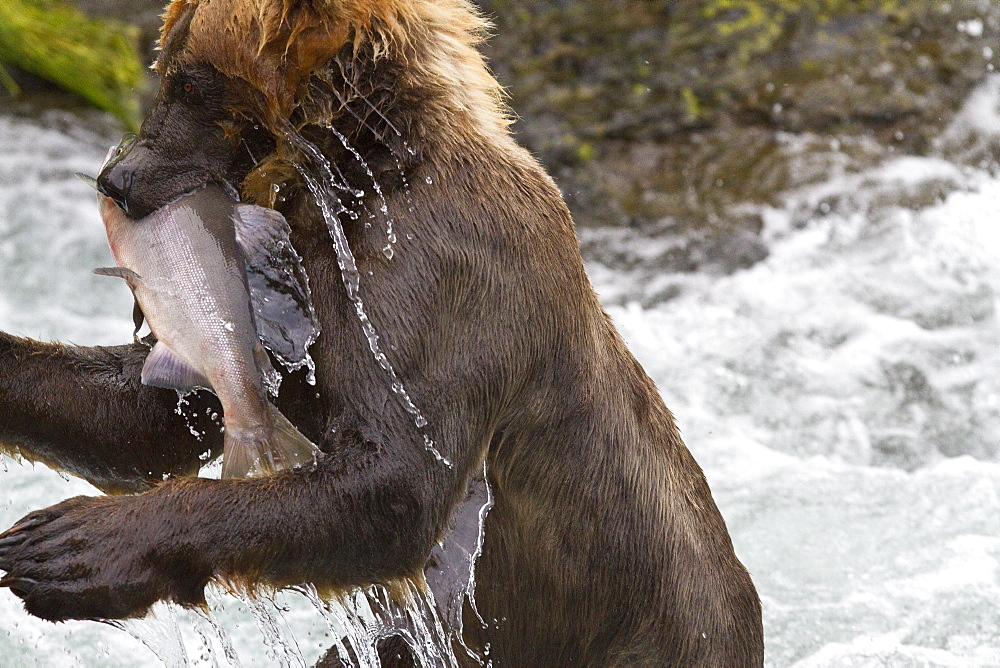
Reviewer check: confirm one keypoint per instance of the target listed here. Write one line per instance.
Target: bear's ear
(173, 34)
(273, 45)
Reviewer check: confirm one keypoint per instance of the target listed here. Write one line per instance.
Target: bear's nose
(116, 182)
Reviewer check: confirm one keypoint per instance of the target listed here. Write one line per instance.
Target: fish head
(110, 212)
(192, 136)
(114, 221)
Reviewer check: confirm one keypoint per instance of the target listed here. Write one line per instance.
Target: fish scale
(188, 274)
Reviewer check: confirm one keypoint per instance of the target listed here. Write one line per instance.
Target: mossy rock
(667, 116)
(645, 69)
(676, 114)
(96, 59)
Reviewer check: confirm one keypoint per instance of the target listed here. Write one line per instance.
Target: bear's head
(239, 77)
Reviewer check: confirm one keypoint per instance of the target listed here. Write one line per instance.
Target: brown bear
(604, 545)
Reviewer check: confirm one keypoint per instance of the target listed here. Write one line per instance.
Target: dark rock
(727, 253)
(675, 115)
(680, 118)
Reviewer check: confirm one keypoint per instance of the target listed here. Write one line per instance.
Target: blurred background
(790, 207)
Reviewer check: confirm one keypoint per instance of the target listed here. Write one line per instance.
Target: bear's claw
(21, 587)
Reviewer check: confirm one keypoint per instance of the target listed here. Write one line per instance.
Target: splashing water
(859, 561)
(484, 510)
(339, 627)
(362, 619)
(331, 207)
(158, 631)
(272, 379)
(180, 409)
(204, 654)
(282, 648)
(428, 619)
(431, 643)
(383, 205)
(451, 569)
(403, 178)
(228, 650)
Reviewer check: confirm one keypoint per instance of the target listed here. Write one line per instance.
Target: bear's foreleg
(85, 411)
(337, 524)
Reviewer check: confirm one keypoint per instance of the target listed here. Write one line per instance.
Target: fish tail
(264, 451)
(289, 446)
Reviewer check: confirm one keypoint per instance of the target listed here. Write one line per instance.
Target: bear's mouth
(193, 135)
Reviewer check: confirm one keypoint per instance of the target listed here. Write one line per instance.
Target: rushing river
(843, 397)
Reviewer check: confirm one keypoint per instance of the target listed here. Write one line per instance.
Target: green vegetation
(95, 58)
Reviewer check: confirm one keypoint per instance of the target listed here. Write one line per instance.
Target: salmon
(187, 266)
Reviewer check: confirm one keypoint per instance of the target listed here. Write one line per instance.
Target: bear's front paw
(96, 558)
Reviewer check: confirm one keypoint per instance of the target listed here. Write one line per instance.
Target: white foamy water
(843, 397)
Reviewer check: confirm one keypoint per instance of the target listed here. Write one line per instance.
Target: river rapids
(842, 395)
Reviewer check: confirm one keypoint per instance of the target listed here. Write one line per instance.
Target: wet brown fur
(604, 547)
(276, 46)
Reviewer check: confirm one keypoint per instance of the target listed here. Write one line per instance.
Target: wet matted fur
(604, 546)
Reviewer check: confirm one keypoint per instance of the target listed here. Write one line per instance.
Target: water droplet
(429, 180)
(275, 187)
(282, 647)
(158, 631)
(432, 448)
(324, 191)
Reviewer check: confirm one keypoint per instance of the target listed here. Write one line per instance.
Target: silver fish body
(187, 272)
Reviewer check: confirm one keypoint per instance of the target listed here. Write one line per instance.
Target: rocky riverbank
(685, 118)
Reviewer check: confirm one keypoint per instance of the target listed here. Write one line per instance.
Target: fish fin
(138, 317)
(279, 287)
(261, 358)
(272, 379)
(265, 452)
(132, 279)
(124, 273)
(163, 368)
(89, 180)
(259, 224)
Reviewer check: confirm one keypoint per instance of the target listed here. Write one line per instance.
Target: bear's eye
(188, 87)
